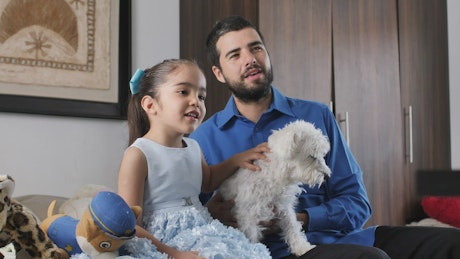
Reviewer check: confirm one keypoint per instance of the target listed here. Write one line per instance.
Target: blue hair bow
(134, 83)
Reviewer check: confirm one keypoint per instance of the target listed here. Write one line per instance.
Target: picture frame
(118, 85)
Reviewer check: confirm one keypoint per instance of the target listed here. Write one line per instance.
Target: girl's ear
(148, 103)
(218, 74)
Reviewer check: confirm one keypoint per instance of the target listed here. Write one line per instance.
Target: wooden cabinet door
(346, 52)
(367, 94)
(425, 88)
(298, 35)
(196, 20)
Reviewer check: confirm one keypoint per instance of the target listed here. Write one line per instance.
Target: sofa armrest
(39, 204)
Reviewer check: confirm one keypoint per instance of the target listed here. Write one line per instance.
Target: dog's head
(303, 147)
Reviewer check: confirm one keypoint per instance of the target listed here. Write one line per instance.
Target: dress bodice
(174, 174)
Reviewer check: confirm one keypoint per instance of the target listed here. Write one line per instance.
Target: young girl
(164, 172)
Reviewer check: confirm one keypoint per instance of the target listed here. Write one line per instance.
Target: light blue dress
(173, 213)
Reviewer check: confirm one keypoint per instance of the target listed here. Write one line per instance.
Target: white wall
(155, 31)
(453, 9)
(57, 155)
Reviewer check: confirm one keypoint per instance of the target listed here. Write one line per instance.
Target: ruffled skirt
(193, 229)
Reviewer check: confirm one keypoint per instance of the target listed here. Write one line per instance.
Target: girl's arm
(161, 247)
(132, 177)
(213, 176)
(131, 180)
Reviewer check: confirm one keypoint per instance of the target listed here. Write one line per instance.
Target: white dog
(296, 157)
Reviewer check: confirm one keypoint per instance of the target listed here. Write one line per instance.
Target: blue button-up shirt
(337, 209)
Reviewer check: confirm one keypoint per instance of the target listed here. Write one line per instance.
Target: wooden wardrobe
(381, 65)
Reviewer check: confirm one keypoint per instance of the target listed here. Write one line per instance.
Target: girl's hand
(246, 159)
(185, 255)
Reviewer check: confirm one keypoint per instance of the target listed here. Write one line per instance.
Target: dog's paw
(300, 248)
(252, 231)
(253, 234)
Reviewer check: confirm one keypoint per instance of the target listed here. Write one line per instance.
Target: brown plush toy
(20, 227)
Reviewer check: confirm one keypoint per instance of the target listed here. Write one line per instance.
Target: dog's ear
(297, 139)
(292, 141)
(280, 142)
(322, 146)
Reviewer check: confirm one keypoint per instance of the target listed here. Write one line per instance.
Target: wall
(57, 155)
(453, 9)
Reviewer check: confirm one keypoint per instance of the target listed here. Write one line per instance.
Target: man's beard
(248, 94)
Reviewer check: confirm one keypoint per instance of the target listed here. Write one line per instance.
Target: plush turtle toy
(20, 227)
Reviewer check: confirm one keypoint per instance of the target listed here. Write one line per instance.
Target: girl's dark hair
(231, 23)
(138, 121)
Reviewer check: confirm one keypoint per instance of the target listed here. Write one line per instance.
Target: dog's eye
(105, 245)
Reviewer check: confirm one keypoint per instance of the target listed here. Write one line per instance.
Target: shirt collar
(230, 111)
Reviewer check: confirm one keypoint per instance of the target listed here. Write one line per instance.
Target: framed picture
(65, 57)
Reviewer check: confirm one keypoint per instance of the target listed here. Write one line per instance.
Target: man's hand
(272, 226)
(303, 218)
(222, 210)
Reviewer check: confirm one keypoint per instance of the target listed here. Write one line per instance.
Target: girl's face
(180, 103)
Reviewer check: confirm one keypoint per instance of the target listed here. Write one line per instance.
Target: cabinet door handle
(410, 147)
(347, 128)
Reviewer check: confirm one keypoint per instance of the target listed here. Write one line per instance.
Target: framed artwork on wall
(65, 57)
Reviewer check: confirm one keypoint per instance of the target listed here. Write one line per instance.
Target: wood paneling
(298, 35)
(197, 17)
(366, 76)
(425, 86)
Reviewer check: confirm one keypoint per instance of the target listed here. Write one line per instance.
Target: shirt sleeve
(341, 204)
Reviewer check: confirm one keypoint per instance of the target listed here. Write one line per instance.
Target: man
(332, 215)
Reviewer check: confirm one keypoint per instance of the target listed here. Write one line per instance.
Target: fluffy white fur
(296, 157)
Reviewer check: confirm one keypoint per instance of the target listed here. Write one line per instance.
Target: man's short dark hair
(231, 23)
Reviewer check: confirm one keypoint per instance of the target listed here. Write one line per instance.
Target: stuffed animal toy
(8, 252)
(20, 227)
(296, 157)
(107, 223)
